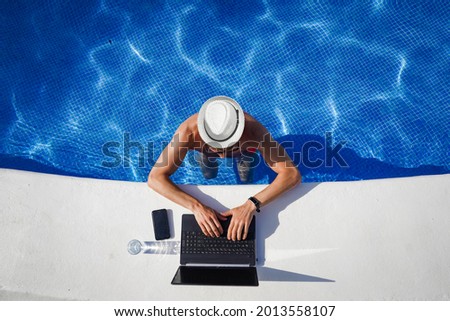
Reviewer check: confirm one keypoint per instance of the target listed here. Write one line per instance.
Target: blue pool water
(372, 76)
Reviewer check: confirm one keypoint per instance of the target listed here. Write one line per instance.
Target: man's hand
(208, 220)
(240, 221)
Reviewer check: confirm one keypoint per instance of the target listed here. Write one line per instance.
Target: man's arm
(279, 161)
(287, 177)
(159, 180)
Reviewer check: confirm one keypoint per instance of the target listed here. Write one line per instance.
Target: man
(222, 129)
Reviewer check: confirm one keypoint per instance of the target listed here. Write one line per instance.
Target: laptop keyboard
(198, 243)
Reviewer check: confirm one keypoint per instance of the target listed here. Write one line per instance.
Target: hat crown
(220, 120)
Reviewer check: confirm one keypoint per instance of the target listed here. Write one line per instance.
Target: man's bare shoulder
(189, 124)
(187, 131)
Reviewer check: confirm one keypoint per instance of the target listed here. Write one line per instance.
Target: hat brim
(234, 138)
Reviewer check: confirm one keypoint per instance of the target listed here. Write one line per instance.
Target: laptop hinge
(217, 265)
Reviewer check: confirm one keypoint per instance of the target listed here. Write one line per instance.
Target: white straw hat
(221, 122)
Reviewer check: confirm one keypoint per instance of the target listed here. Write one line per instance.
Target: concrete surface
(65, 238)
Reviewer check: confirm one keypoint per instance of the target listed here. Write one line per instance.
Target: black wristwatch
(256, 202)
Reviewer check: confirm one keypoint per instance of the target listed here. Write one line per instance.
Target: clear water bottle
(154, 247)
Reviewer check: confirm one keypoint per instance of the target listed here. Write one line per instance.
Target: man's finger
(233, 232)
(245, 231)
(218, 225)
(227, 213)
(221, 216)
(219, 229)
(208, 228)
(212, 228)
(210, 231)
(230, 230)
(204, 230)
(239, 231)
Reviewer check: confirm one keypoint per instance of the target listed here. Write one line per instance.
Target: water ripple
(373, 74)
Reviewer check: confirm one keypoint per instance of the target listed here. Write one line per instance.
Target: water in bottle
(154, 247)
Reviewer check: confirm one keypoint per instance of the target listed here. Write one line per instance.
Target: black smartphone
(161, 224)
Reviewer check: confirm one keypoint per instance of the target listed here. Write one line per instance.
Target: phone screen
(161, 224)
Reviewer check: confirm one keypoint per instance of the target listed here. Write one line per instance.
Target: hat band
(232, 133)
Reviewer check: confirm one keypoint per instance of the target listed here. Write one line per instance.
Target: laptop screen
(206, 275)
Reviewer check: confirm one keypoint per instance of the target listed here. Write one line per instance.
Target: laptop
(215, 261)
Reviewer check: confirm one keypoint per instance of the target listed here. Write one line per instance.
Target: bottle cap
(134, 247)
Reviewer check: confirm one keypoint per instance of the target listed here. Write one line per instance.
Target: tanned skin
(256, 137)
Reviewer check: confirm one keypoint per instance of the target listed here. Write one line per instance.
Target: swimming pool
(371, 76)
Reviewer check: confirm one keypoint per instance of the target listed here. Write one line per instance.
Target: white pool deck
(65, 238)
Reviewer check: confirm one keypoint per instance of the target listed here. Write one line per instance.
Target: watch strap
(257, 203)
